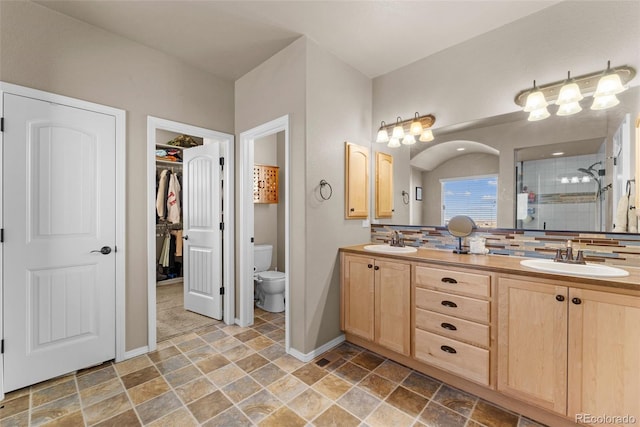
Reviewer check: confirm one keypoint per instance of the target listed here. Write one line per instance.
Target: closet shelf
(168, 162)
(169, 146)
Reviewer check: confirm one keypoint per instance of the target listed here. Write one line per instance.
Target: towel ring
(324, 183)
(405, 197)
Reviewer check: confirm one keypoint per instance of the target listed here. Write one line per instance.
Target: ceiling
(229, 38)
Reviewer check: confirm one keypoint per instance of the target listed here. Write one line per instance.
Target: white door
(202, 250)
(59, 211)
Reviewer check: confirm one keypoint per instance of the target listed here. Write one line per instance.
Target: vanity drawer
(453, 327)
(462, 359)
(453, 305)
(454, 281)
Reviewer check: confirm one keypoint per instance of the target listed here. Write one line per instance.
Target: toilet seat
(270, 276)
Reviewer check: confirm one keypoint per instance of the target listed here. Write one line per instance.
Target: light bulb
(416, 126)
(426, 136)
(564, 180)
(383, 135)
(604, 102)
(609, 84)
(398, 131)
(569, 109)
(408, 139)
(394, 143)
(575, 180)
(535, 100)
(539, 114)
(586, 179)
(569, 94)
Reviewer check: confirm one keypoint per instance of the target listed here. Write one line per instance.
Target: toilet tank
(262, 257)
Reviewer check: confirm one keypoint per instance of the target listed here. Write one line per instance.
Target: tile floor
(223, 375)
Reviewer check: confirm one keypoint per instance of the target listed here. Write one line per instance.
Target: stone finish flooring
(223, 375)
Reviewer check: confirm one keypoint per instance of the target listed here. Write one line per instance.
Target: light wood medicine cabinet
(356, 199)
(384, 185)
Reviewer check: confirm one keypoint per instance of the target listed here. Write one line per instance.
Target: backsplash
(608, 248)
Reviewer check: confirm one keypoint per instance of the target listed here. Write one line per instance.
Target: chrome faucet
(397, 239)
(566, 256)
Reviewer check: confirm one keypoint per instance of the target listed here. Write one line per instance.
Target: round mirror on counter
(461, 226)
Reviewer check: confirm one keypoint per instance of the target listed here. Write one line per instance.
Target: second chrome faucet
(567, 255)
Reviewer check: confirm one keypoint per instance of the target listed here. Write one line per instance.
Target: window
(472, 196)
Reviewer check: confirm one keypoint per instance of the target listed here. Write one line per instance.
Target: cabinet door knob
(449, 280)
(576, 301)
(369, 265)
(376, 268)
(449, 304)
(559, 298)
(448, 349)
(449, 326)
(352, 209)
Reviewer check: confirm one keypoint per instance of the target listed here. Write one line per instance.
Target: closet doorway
(279, 130)
(190, 225)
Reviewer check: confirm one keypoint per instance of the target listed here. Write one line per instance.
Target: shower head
(588, 172)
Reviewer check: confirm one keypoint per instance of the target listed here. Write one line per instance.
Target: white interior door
(59, 209)
(202, 250)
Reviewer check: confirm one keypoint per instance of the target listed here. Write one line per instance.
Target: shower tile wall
(543, 177)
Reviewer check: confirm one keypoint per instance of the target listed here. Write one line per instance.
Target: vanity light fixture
(568, 93)
(406, 131)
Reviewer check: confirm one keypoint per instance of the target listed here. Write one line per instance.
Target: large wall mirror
(562, 173)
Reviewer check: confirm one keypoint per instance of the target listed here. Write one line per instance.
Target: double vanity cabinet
(555, 348)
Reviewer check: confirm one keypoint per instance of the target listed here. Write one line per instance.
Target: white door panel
(59, 205)
(201, 217)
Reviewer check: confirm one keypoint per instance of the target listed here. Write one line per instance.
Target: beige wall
(273, 89)
(338, 110)
(49, 51)
(475, 164)
(480, 78)
(416, 206)
(328, 103)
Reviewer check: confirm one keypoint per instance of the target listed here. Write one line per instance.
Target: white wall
(46, 50)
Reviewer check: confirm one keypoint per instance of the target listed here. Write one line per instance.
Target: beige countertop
(503, 264)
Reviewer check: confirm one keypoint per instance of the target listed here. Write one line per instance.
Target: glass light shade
(564, 180)
(408, 139)
(383, 136)
(539, 114)
(569, 109)
(535, 101)
(416, 127)
(586, 179)
(426, 136)
(609, 84)
(398, 132)
(604, 102)
(394, 143)
(575, 180)
(569, 94)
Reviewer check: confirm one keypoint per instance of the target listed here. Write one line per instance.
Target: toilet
(269, 284)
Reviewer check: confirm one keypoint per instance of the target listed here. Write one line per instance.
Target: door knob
(105, 250)
(185, 237)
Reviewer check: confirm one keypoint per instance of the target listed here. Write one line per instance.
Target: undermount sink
(587, 270)
(390, 249)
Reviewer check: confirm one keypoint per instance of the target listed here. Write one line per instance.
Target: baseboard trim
(136, 352)
(318, 351)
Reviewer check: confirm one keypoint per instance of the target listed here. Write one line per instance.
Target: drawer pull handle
(449, 280)
(448, 349)
(449, 304)
(449, 326)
